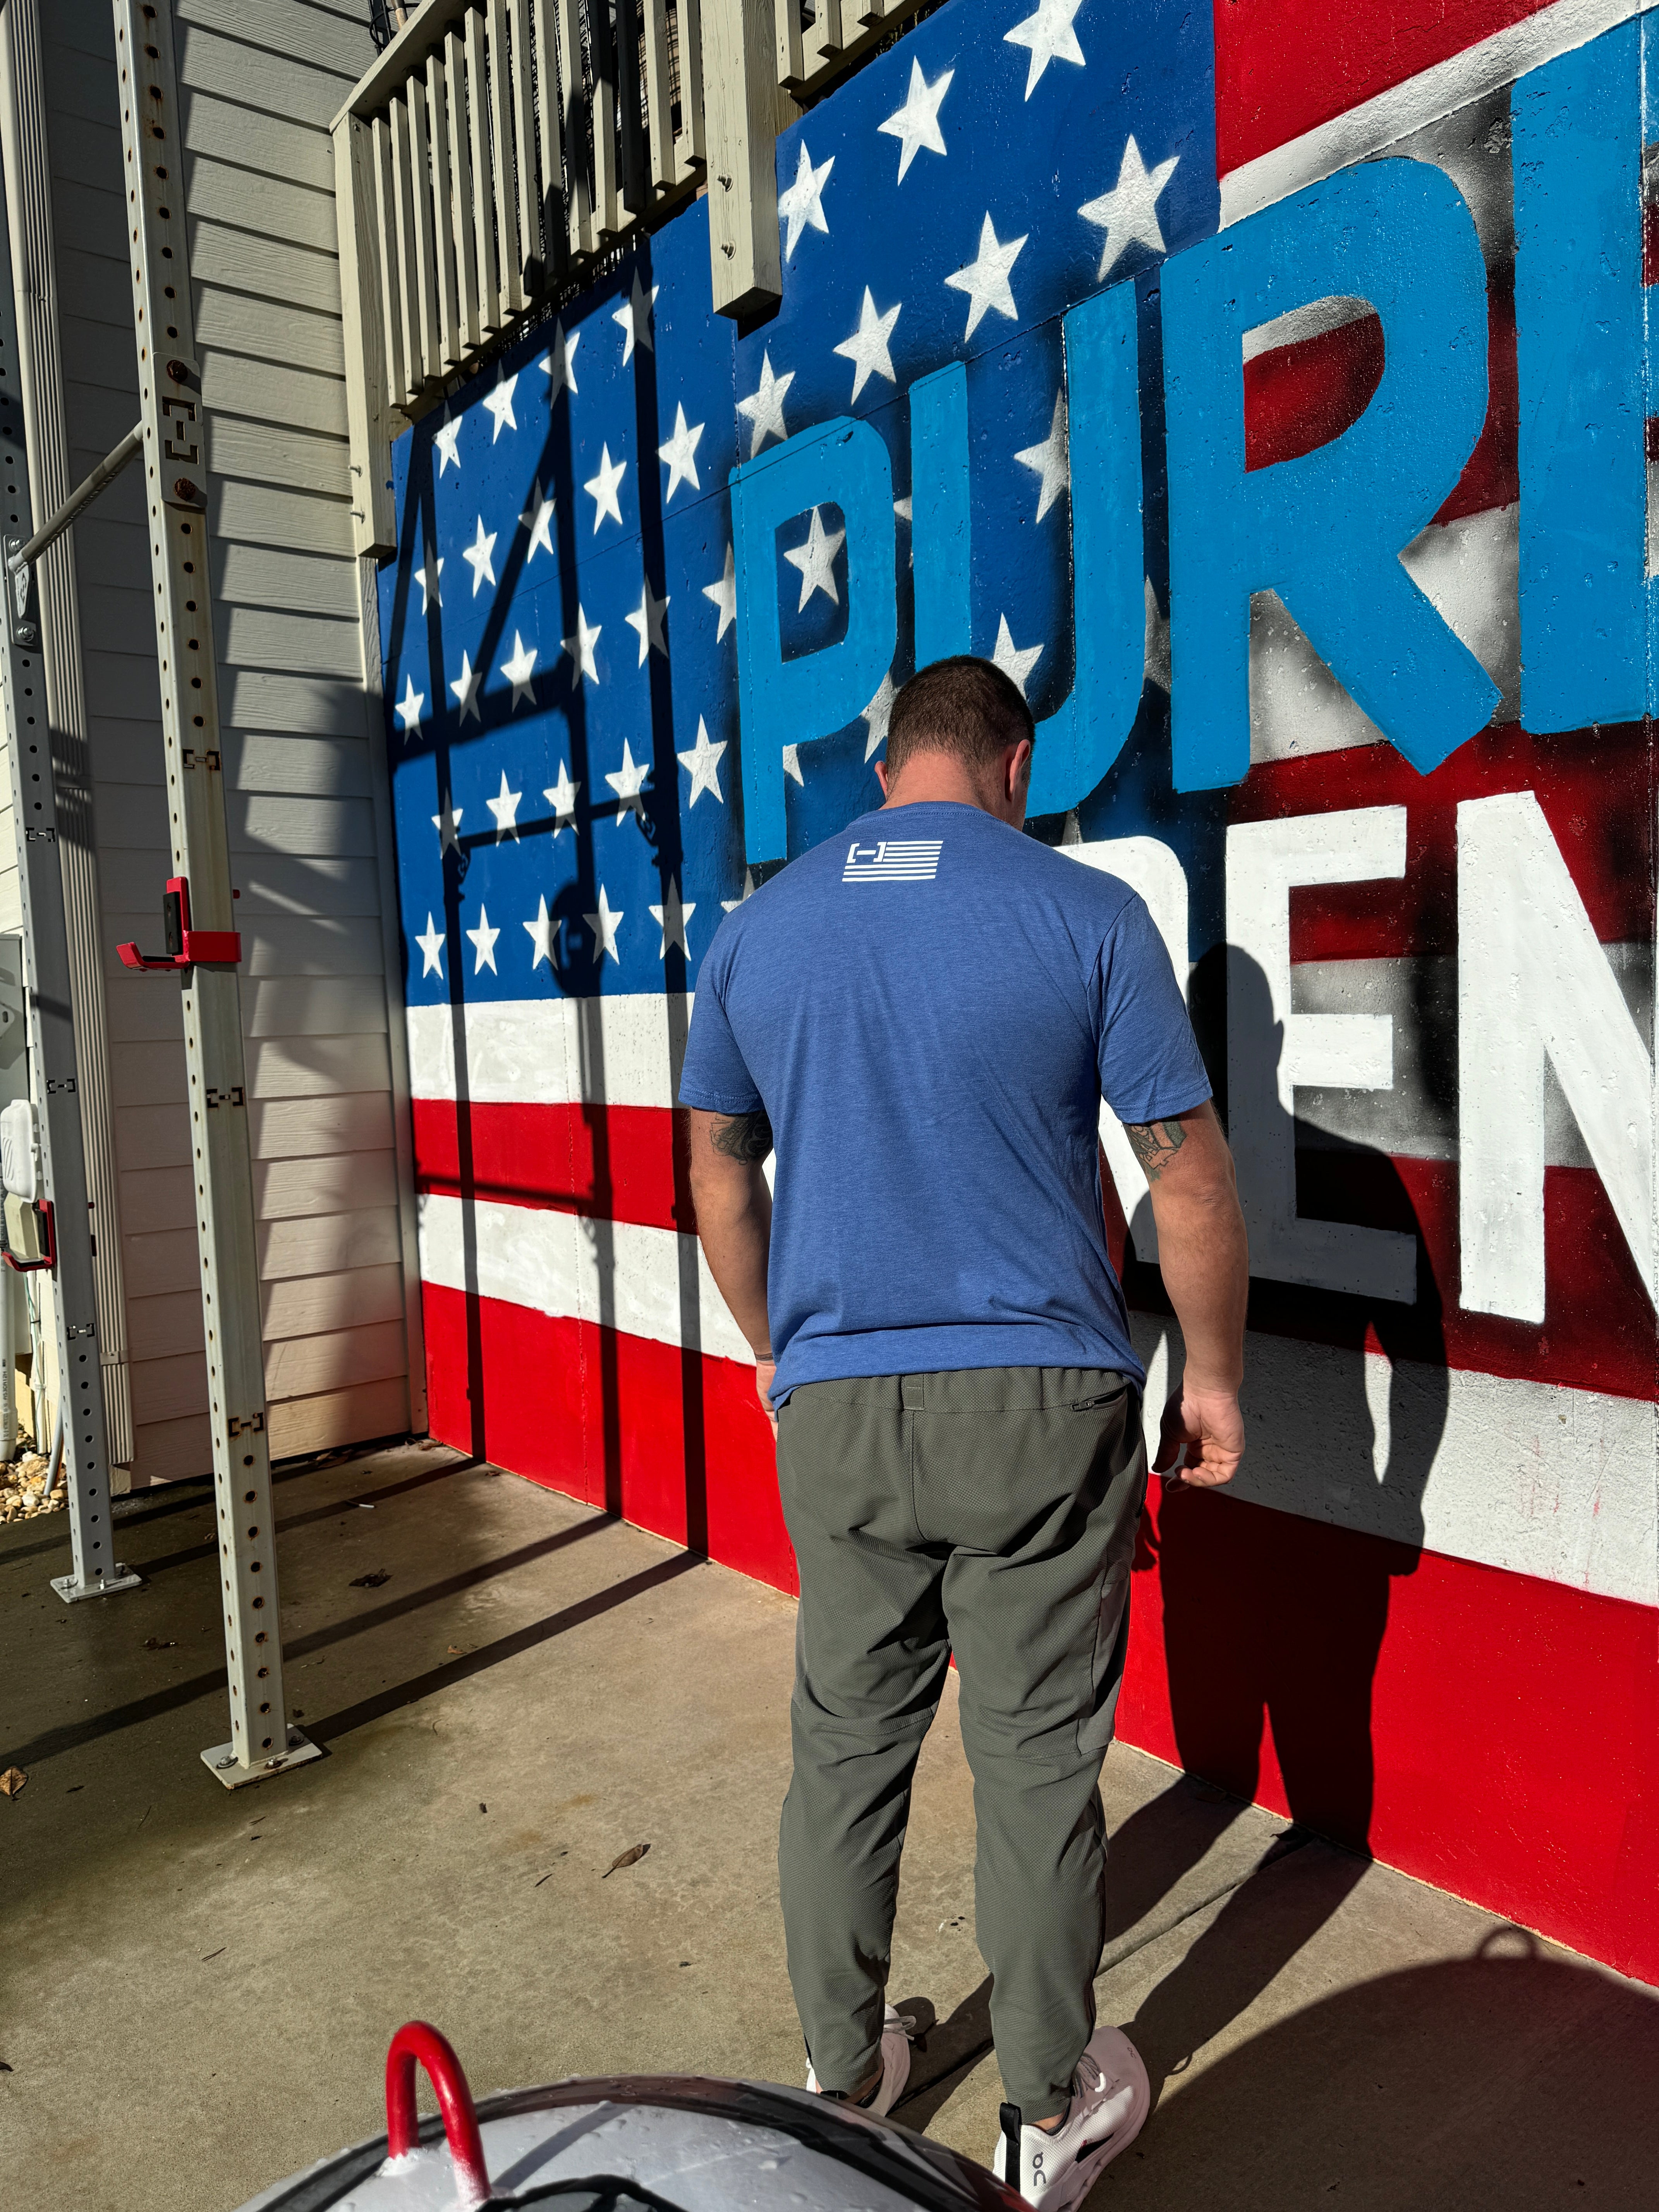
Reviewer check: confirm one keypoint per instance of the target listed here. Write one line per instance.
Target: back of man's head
(964, 708)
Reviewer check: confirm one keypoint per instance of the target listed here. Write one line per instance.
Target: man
(923, 1014)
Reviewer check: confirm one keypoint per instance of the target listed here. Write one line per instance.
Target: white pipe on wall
(7, 1363)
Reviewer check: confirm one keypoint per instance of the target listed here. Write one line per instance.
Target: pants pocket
(1099, 1721)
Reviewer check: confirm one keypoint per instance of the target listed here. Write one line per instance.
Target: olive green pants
(991, 1513)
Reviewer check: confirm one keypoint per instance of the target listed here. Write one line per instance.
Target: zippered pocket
(1088, 1404)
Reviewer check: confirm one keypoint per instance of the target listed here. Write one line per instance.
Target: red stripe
(1503, 1746)
(1298, 397)
(1484, 1731)
(673, 1442)
(1283, 67)
(1593, 785)
(1597, 1332)
(612, 1162)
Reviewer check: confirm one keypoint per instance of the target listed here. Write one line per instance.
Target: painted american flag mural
(1361, 713)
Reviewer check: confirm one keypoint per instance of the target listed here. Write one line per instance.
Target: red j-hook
(414, 2044)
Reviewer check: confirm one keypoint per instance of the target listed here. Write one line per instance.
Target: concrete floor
(200, 1986)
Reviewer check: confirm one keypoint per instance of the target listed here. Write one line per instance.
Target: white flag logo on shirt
(893, 861)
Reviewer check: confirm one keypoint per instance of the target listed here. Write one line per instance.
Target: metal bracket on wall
(68, 1251)
(263, 1741)
(184, 946)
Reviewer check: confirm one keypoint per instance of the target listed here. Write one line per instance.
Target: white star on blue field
(560, 627)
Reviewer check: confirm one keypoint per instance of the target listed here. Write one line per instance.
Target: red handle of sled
(417, 2044)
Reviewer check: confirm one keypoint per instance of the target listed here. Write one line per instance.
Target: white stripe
(1302, 324)
(1380, 123)
(652, 1283)
(1530, 1477)
(1467, 568)
(619, 1051)
(541, 1051)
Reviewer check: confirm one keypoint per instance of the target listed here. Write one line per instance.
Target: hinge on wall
(23, 608)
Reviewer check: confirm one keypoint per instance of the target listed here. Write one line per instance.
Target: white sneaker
(1110, 2099)
(895, 2065)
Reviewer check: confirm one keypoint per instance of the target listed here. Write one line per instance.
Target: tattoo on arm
(744, 1137)
(1155, 1143)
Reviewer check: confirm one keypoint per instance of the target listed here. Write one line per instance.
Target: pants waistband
(974, 1389)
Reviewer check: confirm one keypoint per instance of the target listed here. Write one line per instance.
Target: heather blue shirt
(929, 1006)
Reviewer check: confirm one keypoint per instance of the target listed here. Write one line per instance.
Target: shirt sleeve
(714, 1078)
(1149, 1065)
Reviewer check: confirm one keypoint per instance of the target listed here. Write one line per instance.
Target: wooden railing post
(484, 162)
(740, 92)
(374, 525)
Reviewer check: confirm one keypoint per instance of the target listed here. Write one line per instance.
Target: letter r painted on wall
(1324, 530)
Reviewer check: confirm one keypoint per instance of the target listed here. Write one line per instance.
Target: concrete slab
(200, 1987)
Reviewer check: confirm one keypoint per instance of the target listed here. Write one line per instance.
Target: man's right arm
(734, 1223)
(1204, 1259)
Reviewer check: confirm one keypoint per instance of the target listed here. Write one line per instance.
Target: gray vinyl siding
(258, 87)
(11, 898)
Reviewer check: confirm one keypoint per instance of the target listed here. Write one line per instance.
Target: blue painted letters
(1325, 530)
(1578, 306)
(783, 703)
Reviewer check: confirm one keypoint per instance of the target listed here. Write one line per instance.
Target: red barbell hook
(414, 2044)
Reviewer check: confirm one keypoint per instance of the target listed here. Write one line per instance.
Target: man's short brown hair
(964, 706)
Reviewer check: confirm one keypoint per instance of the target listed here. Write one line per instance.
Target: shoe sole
(1092, 2163)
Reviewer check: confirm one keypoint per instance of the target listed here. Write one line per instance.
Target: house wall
(304, 804)
(1337, 643)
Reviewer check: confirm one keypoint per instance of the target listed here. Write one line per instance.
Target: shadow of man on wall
(1275, 1596)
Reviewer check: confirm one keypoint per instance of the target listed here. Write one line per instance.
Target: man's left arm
(734, 1223)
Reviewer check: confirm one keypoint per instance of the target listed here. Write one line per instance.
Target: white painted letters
(1532, 983)
(1271, 1049)
(1149, 867)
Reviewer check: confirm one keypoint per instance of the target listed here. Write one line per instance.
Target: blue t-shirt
(929, 1006)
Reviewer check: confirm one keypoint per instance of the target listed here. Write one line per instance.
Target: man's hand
(764, 1370)
(1201, 1440)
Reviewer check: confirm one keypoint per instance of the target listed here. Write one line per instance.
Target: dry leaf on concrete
(13, 1778)
(628, 1858)
(373, 1580)
(160, 1644)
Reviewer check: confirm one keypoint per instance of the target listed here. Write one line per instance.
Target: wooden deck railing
(499, 149)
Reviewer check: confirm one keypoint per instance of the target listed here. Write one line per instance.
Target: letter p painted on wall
(788, 701)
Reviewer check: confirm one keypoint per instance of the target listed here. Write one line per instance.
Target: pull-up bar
(22, 556)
